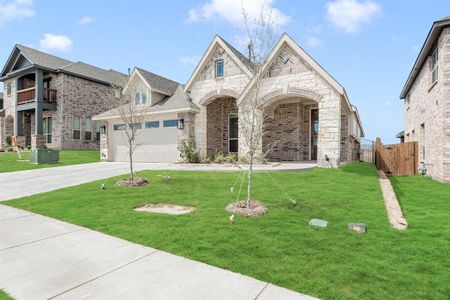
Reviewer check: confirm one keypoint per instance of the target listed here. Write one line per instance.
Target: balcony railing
(29, 95)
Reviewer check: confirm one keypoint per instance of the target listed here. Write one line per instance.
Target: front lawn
(9, 162)
(280, 247)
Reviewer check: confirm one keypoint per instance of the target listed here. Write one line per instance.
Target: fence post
(378, 153)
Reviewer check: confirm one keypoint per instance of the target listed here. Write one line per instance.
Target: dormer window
(219, 68)
(140, 98)
(434, 66)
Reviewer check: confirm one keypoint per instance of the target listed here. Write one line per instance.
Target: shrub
(219, 158)
(206, 159)
(188, 151)
(8, 140)
(231, 158)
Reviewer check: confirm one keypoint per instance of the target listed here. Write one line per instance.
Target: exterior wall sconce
(180, 124)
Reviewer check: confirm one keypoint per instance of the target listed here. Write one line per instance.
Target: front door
(314, 132)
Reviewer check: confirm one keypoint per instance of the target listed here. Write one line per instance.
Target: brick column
(37, 141)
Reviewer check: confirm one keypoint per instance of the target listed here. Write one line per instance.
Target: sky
(369, 46)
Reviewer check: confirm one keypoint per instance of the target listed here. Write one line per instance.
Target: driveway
(25, 183)
(43, 258)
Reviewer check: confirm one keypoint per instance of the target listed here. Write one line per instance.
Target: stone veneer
(427, 113)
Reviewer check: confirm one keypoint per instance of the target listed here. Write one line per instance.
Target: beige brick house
(50, 101)
(306, 111)
(426, 96)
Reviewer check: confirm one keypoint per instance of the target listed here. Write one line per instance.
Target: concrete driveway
(43, 258)
(25, 183)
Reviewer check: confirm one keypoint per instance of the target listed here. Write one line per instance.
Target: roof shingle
(158, 82)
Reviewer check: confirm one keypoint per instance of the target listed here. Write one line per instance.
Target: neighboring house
(308, 115)
(49, 101)
(426, 96)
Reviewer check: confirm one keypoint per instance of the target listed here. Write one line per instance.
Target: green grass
(5, 296)
(9, 162)
(280, 247)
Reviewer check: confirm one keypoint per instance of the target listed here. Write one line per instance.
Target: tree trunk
(131, 162)
(250, 181)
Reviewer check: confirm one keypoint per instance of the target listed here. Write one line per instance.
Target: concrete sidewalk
(43, 258)
(25, 183)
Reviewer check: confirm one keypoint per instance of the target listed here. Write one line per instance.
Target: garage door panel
(154, 145)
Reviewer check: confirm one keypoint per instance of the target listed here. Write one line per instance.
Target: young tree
(262, 35)
(132, 115)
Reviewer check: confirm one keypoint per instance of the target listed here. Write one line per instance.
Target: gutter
(150, 113)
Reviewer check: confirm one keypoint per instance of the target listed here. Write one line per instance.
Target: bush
(231, 158)
(188, 151)
(219, 158)
(8, 140)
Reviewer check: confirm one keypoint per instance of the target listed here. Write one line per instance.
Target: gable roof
(428, 46)
(247, 62)
(159, 83)
(285, 39)
(240, 59)
(60, 65)
(178, 102)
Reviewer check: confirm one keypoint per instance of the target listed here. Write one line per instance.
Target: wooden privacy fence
(398, 159)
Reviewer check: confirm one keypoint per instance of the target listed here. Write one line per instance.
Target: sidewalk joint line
(262, 290)
(104, 274)
(25, 216)
(43, 239)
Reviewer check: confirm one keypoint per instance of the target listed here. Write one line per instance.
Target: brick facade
(218, 112)
(427, 113)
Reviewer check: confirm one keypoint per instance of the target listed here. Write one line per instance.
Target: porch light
(180, 124)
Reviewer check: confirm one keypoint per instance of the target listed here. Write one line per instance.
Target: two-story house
(50, 101)
(306, 113)
(426, 97)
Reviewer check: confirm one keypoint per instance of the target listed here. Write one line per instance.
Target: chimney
(250, 49)
(129, 72)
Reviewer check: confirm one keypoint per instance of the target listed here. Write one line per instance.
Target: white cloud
(189, 60)
(55, 42)
(313, 41)
(388, 103)
(350, 15)
(231, 12)
(85, 20)
(16, 10)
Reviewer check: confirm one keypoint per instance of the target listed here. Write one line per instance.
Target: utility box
(44, 156)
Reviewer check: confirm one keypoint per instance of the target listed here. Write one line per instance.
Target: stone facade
(427, 113)
(289, 76)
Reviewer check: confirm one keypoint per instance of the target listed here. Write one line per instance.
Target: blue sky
(368, 46)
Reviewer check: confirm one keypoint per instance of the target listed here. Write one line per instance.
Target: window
(88, 130)
(152, 124)
(136, 125)
(140, 98)
(170, 123)
(233, 127)
(47, 127)
(97, 130)
(119, 127)
(219, 68)
(9, 89)
(76, 128)
(434, 66)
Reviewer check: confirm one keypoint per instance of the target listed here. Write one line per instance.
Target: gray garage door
(155, 145)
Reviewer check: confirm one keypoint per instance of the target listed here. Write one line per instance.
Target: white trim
(214, 42)
(99, 118)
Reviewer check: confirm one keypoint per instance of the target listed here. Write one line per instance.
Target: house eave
(149, 113)
(427, 47)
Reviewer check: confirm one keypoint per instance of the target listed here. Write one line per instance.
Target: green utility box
(44, 156)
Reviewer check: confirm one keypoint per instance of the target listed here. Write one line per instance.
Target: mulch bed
(132, 182)
(254, 209)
